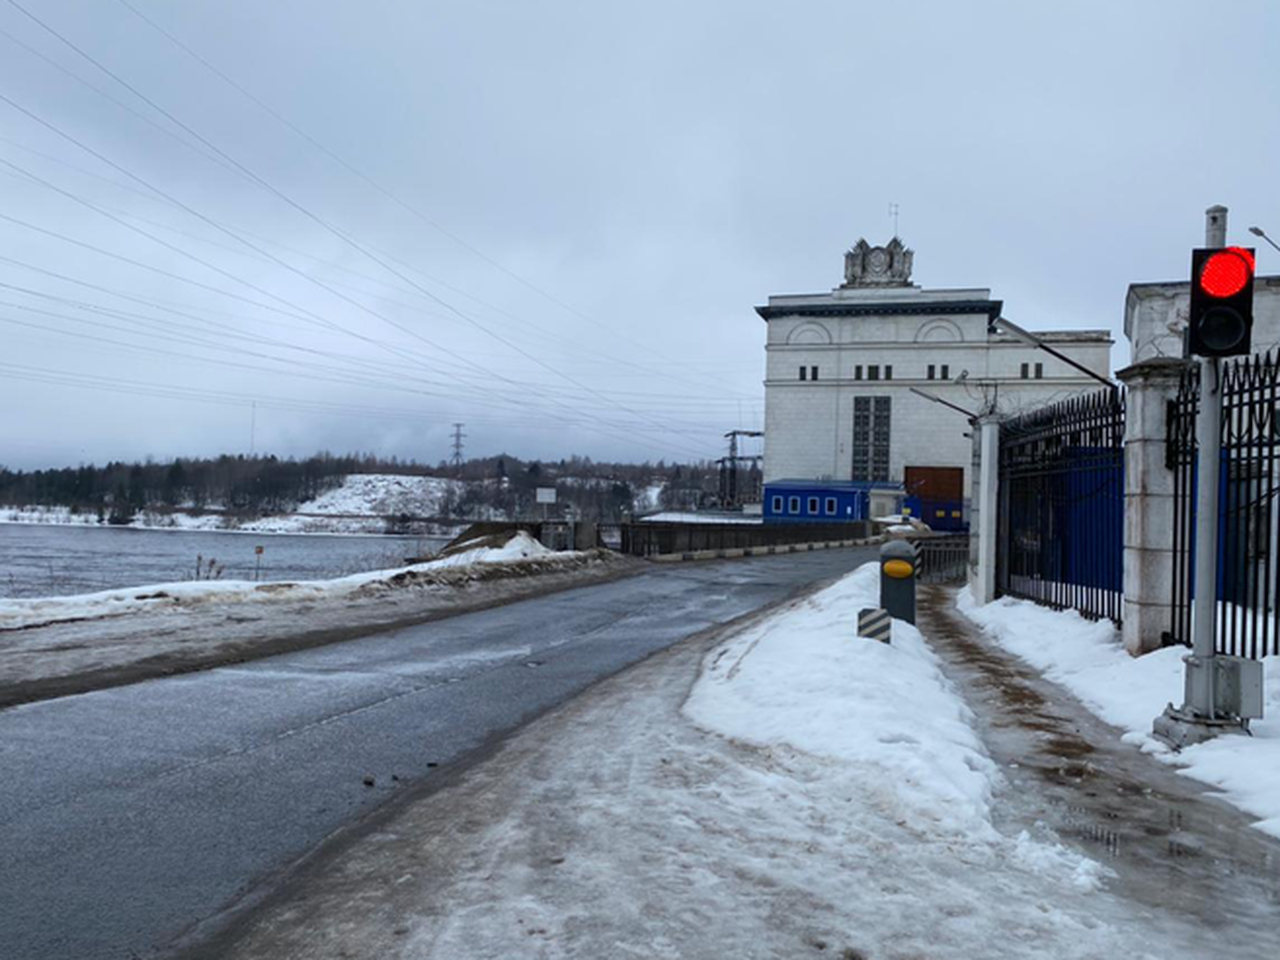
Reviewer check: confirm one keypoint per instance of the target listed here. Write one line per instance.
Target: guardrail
(942, 559)
(657, 539)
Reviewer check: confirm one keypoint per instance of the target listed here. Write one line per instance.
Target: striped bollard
(875, 624)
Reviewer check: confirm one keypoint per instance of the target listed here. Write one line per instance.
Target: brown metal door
(935, 483)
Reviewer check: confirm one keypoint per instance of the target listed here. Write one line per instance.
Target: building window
(857, 372)
(871, 419)
(1026, 371)
(946, 372)
(931, 371)
(888, 371)
(777, 504)
(1039, 371)
(793, 505)
(813, 373)
(803, 371)
(873, 372)
(831, 506)
(813, 506)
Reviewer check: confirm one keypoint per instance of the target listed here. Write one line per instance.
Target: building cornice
(989, 308)
(1104, 340)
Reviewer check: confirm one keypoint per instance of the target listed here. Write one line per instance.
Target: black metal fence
(942, 559)
(651, 539)
(1248, 611)
(1061, 524)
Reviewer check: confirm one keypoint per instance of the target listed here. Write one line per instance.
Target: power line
(150, 196)
(306, 313)
(311, 216)
(165, 325)
(357, 172)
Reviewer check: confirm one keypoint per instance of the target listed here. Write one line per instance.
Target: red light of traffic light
(1226, 272)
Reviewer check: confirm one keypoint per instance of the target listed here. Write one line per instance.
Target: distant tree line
(255, 486)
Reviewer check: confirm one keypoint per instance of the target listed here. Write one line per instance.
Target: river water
(43, 561)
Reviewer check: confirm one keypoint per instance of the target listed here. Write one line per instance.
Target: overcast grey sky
(579, 203)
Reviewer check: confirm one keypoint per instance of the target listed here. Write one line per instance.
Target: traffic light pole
(1200, 666)
(1201, 716)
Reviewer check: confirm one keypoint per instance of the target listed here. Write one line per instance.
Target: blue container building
(822, 501)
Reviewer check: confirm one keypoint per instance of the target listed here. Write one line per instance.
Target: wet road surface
(129, 817)
(1176, 850)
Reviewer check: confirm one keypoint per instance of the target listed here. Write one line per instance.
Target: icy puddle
(1176, 851)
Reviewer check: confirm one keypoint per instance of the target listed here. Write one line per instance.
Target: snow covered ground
(673, 516)
(650, 497)
(1088, 659)
(356, 506)
(27, 612)
(377, 494)
(814, 794)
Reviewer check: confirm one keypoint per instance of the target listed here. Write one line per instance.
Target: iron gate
(1061, 524)
(1248, 616)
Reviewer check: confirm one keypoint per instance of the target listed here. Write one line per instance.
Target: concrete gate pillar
(984, 510)
(1148, 502)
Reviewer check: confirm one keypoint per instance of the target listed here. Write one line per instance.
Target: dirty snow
(27, 612)
(1089, 659)
(815, 794)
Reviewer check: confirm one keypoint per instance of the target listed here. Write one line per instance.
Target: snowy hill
(364, 495)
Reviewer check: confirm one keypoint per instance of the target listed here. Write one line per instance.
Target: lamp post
(930, 397)
(1259, 232)
(1028, 337)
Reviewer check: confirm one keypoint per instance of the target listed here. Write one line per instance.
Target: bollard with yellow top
(898, 580)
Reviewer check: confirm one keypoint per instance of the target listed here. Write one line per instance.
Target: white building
(841, 365)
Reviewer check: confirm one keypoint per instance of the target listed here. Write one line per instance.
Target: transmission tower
(456, 460)
(730, 495)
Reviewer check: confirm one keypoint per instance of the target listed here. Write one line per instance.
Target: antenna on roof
(893, 212)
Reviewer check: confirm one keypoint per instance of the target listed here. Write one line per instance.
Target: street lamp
(934, 399)
(1259, 232)
(1028, 337)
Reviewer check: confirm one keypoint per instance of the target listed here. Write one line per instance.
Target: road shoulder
(60, 659)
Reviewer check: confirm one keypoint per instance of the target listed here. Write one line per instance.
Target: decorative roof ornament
(887, 266)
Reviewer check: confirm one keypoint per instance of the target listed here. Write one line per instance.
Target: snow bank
(1130, 692)
(27, 612)
(885, 723)
(805, 679)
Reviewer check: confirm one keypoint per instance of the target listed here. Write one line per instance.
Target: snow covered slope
(364, 494)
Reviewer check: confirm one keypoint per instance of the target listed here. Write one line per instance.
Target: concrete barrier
(737, 552)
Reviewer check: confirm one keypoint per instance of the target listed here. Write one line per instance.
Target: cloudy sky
(306, 224)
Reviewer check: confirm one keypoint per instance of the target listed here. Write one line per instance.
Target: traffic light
(1221, 318)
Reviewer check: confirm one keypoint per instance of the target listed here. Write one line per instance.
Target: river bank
(38, 560)
(58, 646)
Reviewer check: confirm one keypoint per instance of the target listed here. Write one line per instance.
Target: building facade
(839, 403)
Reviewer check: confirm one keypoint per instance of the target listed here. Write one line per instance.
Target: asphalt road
(130, 816)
